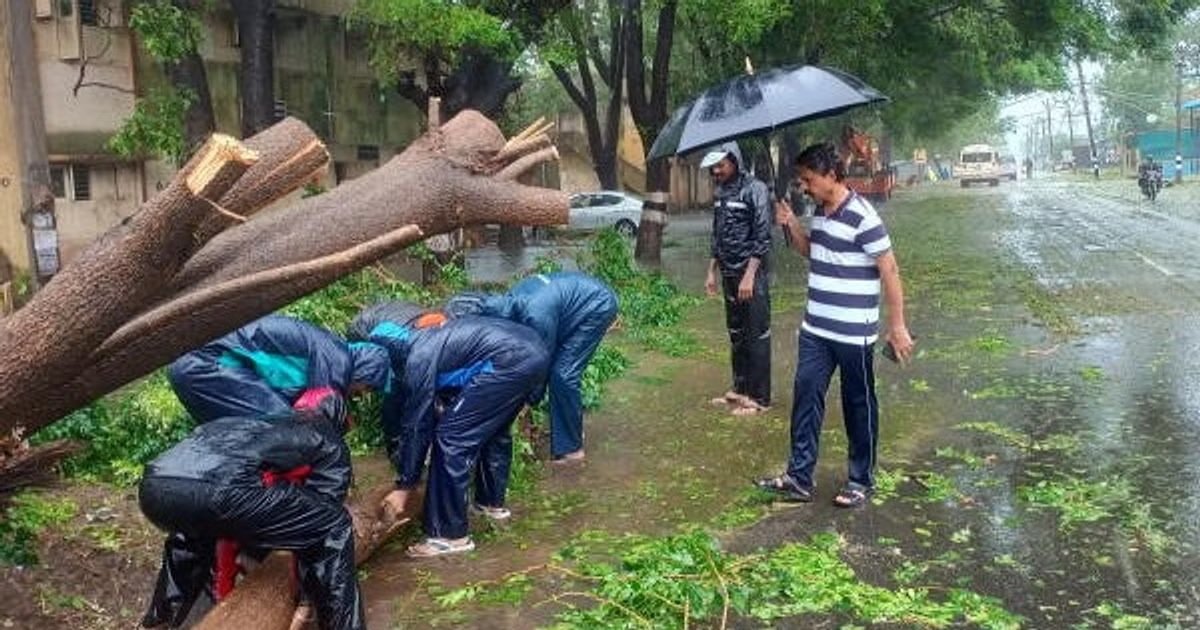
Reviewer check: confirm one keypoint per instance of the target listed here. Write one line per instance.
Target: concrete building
(321, 76)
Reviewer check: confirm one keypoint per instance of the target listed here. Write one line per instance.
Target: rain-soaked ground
(1041, 449)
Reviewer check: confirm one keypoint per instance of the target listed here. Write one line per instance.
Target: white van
(978, 163)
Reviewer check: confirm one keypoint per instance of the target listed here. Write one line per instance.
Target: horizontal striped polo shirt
(843, 279)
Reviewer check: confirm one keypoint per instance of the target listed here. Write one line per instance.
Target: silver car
(605, 209)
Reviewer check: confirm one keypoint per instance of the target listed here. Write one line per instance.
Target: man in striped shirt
(851, 259)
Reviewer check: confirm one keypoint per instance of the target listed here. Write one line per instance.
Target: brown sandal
(747, 406)
(730, 398)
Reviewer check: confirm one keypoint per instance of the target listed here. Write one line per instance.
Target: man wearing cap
(267, 367)
(741, 244)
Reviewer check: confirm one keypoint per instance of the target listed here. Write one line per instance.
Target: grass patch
(675, 581)
(971, 460)
(27, 515)
(1047, 308)
(1076, 501)
(1058, 442)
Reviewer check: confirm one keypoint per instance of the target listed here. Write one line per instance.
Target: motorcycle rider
(1150, 179)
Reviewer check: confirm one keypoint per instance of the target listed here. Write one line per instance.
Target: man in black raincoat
(227, 481)
(264, 367)
(741, 244)
(461, 383)
(571, 311)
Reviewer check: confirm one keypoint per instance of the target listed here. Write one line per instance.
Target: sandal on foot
(498, 514)
(852, 497)
(750, 408)
(434, 547)
(785, 488)
(730, 398)
(573, 457)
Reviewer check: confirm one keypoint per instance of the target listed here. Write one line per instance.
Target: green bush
(651, 306)
(123, 431)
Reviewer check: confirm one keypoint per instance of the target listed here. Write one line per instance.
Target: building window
(87, 12)
(368, 153)
(58, 181)
(66, 8)
(81, 182)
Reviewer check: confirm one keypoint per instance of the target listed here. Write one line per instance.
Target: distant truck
(866, 172)
(978, 163)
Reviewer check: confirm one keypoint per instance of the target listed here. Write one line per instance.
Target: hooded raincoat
(571, 311)
(460, 384)
(264, 367)
(742, 230)
(225, 481)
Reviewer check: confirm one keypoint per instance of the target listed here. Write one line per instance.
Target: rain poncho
(741, 231)
(461, 385)
(262, 368)
(571, 311)
(227, 480)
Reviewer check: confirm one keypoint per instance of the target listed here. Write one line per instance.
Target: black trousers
(749, 326)
(196, 513)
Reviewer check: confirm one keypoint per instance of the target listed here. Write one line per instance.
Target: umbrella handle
(776, 194)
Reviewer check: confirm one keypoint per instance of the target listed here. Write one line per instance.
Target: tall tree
(170, 123)
(648, 104)
(718, 24)
(581, 47)
(256, 32)
(465, 51)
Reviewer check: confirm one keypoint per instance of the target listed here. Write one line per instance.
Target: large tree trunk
(654, 213)
(198, 122)
(140, 297)
(650, 114)
(188, 74)
(256, 25)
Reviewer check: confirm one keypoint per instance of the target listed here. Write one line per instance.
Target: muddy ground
(1041, 450)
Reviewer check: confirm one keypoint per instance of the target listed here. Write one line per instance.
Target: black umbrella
(757, 103)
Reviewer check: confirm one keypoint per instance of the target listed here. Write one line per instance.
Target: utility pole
(28, 182)
(1179, 120)
(1067, 103)
(1087, 116)
(1049, 129)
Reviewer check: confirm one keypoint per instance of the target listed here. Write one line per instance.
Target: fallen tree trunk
(131, 268)
(265, 599)
(458, 175)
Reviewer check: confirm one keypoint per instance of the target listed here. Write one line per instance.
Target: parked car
(604, 209)
(1009, 168)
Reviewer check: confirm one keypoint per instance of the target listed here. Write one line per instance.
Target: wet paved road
(1059, 333)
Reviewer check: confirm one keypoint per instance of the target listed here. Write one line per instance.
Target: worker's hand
(902, 343)
(746, 288)
(783, 213)
(395, 503)
(710, 284)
